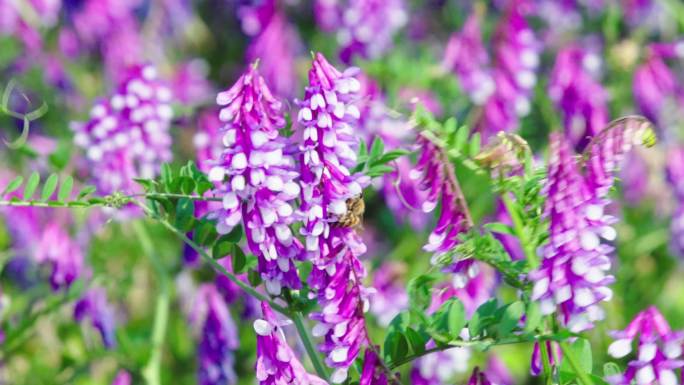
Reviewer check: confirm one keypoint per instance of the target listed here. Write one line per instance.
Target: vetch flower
(579, 96)
(390, 297)
(572, 278)
(372, 372)
(328, 118)
(659, 350)
(56, 249)
(276, 362)
(94, 306)
(438, 179)
(122, 378)
(440, 367)
(218, 342)
(127, 135)
(257, 178)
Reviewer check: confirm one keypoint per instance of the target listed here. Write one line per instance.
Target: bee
(354, 214)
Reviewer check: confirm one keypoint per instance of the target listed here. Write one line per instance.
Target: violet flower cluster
(576, 92)
(58, 250)
(127, 135)
(572, 278)
(276, 362)
(328, 118)
(659, 350)
(219, 340)
(95, 307)
(372, 372)
(364, 28)
(260, 179)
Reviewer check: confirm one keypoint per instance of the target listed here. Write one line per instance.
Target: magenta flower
(440, 367)
(390, 297)
(659, 350)
(219, 340)
(516, 58)
(94, 305)
(56, 249)
(276, 362)
(372, 373)
(572, 277)
(328, 119)
(260, 179)
(473, 286)
(438, 179)
(468, 58)
(122, 378)
(275, 48)
(255, 15)
(478, 378)
(128, 135)
(581, 99)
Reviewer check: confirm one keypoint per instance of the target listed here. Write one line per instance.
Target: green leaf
(146, 184)
(461, 139)
(234, 236)
(13, 185)
(187, 185)
(500, 228)
(388, 157)
(49, 187)
(581, 351)
(395, 347)
(474, 147)
(457, 318)
(205, 232)
(363, 148)
(379, 171)
(31, 185)
(377, 148)
(85, 191)
(221, 250)
(419, 291)
(415, 340)
(239, 259)
(533, 317)
(253, 277)
(510, 318)
(65, 188)
(204, 186)
(482, 317)
(185, 211)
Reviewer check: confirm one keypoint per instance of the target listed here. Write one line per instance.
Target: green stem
(570, 356)
(519, 228)
(546, 362)
(308, 346)
(176, 196)
(152, 370)
(211, 261)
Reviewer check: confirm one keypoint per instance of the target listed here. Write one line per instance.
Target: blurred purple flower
(122, 378)
(219, 340)
(390, 297)
(675, 176)
(261, 179)
(14, 20)
(255, 15)
(497, 372)
(572, 277)
(276, 48)
(414, 96)
(516, 58)
(659, 350)
(94, 305)
(438, 179)
(634, 175)
(439, 368)
(472, 286)
(56, 249)
(128, 135)
(190, 84)
(581, 99)
(468, 58)
(276, 362)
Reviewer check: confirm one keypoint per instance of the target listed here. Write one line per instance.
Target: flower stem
(570, 356)
(308, 345)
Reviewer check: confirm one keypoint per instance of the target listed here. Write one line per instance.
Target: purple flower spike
(259, 179)
(467, 57)
(572, 277)
(276, 362)
(94, 305)
(219, 340)
(372, 373)
(275, 48)
(582, 100)
(439, 180)
(56, 248)
(128, 135)
(659, 350)
(328, 118)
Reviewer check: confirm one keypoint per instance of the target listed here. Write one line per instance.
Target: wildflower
(438, 179)
(255, 15)
(473, 287)
(276, 362)
(390, 297)
(259, 178)
(659, 350)
(61, 253)
(582, 100)
(572, 277)
(218, 342)
(122, 378)
(516, 58)
(440, 367)
(328, 119)
(276, 48)
(128, 135)
(94, 305)
(467, 57)
(372, 373)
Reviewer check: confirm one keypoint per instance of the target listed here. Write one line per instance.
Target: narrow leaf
(510, 318)
(13, 185)
(31, 185)
(65, 188)
(49, 187)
